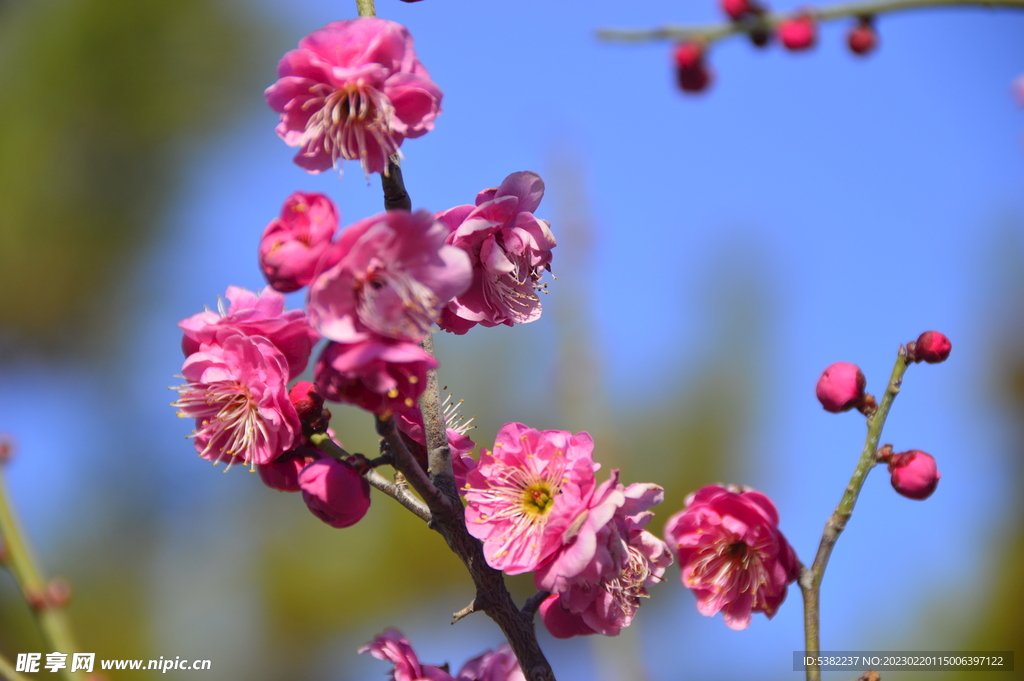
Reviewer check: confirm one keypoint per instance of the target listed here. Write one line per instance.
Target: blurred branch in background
(1000, 617)
(100, 99)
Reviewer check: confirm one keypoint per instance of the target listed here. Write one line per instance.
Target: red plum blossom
(237, 392)
(509, 248)
(525, 494)
(377, 374)
(732, 554)
(393, 275)
(292, 245)
(334, 492)
(353, 90)
(253, 314)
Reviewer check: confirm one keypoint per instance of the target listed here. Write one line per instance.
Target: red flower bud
(692, 73)
(736, 9)
(932, 347)
(841, 387)
(798, 33)
(862, 37)
(283, 473)
(914, 474)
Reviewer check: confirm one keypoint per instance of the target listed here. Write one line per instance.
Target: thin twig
(51, 619)
(810, 578)
(399, 493)
(468, 610)
(7, 672)
(709, 33)
(365, 8)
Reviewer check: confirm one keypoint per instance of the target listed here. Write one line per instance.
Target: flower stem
(51, 620)
(810, 579)
(709, 33)
(365, 8)
(7, 672)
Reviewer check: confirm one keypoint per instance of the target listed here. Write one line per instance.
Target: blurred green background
(135, 178)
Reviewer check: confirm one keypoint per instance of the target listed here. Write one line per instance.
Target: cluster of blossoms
(238, 362)
(534, 503)
(797, 33)
(499, 664)
(375, 289)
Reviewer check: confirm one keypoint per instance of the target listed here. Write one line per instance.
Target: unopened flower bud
(737, 9)
(309, 405)
(932, 347)
(58, 592)
(841, 387)
(334, 492)
(862, 37)
(5, 449)
(692, 73)
(283, 473)
(798, 33)
(914, 474)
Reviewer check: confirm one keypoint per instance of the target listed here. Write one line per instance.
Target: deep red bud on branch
(932, 347)
(692, 73)
(798, 33)
(914, 474)
(841, 387)
(862, 37)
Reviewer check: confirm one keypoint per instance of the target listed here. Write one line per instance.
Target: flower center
(731, 565)
(228, 418)
(538, 498)
(393, 303)
(347, 119)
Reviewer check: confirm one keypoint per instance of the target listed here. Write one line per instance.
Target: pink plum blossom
(393, 276)
(253, 314)
(525, 495)
(605, 567)
(499, 664)
(237, 392)
(353, 90)
(293, 245)
(393, 647)
(732, 554)
(377, 374)
(334, 492)
(510, 249)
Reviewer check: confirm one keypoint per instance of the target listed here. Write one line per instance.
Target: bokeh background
(715, 254)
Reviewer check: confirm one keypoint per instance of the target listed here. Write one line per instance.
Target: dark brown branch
(533, 603)
(448, 518)
(395, 195)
